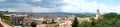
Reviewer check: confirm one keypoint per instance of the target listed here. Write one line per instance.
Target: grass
(8, 21)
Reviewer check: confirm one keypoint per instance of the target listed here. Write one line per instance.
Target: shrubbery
(108, 20)
(6, 19)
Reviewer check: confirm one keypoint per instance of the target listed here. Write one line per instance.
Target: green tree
(23, 25)
(1, 15)
(108, 20)
(33, 24)
(110, 15)
(75, 22)
(85, 24)
(84, 15)
(53, 22)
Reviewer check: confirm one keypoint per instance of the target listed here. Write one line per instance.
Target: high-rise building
(17, 20)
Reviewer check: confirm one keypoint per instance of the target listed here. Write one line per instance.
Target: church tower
(97, 14)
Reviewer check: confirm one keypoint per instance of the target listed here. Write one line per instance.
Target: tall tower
(97, 14)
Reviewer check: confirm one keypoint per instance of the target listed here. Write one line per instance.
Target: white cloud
(30, 9)
(76, 6)
(19, 4)
(40, 9)
(83, 6)
(9, 9)
(34, 9)
(12, 10)
(2, 0)
(36, 0)
(2, 10)
(69, 8)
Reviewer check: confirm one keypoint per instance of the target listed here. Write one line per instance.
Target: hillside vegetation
(108, 20)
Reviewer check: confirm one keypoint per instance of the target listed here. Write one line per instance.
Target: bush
(75, 22)
(108, 20)
(85, 24)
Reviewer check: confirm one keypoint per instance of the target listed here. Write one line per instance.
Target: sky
(70, 6)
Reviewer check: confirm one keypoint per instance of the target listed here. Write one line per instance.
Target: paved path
(1, 25)
(4, 24)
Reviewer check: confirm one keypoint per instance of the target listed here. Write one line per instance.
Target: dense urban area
(27, 19)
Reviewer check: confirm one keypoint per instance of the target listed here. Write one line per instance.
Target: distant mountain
(39, 13)
(48, 13)
(88, 13)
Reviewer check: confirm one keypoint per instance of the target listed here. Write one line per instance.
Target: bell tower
(97, 14)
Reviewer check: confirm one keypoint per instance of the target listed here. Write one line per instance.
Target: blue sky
(71, 6)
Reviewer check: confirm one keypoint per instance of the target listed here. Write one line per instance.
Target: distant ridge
(48, 13)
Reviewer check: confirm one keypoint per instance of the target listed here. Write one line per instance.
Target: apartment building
(18, 20)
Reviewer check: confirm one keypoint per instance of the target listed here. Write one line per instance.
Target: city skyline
(70, 6)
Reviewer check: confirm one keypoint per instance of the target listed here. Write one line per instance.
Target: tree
(1, 15)
(110, 15)
(85, 24)
(53, 22)
(108, 20)
(23, 25)
(33, 24)
(84, 15)
(75, 22)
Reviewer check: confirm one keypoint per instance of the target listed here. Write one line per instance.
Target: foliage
(85, 15)
(6, 19)
(108, 20)
(8, 22)
(49, 22)
(33, 24)
(85, 24)
(1, 14)
(23, 25)
(110, 15)
(75, 22)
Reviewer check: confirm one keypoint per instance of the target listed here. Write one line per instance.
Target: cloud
(14, 4)
(40, 9)
(79, 6)
(73, 6)
(28, 6)
(9, 9)
(2, 10)
(47, 3)
(36, 0)
(2, 0)
(30, 9)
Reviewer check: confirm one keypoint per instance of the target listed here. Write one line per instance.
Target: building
(28, 21)
(46, 25)
(4, 12)
(17, 20)
(97, 14)
(65, 24)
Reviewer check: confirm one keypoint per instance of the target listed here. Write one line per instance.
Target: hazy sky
(72, 6)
